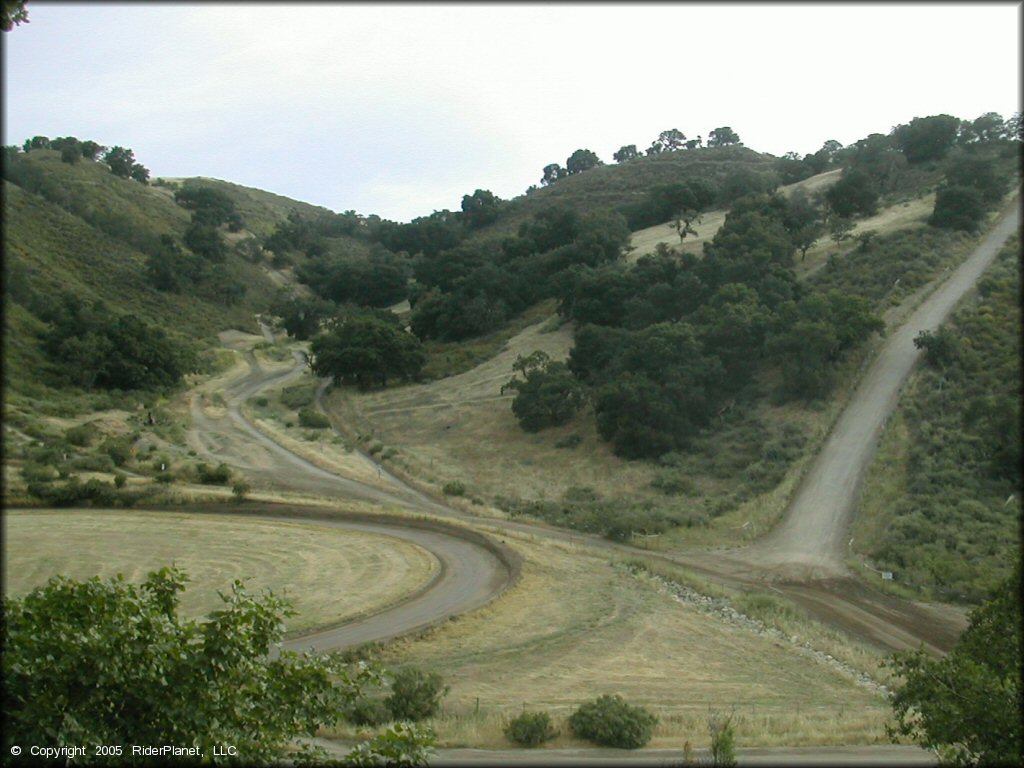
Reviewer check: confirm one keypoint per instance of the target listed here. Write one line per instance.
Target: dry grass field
(328, 573)
(577, 626)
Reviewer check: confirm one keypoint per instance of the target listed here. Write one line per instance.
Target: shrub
(415, 694)
(367, 711)
(723, 741)
(93, 463)
(82, 435)
(530, 729)
(299, 396)
(33, 472)
(119, 449)
(221, 475)
(239, 490)
(454, 488)
(120, 478)
(611, 722)
(313, 419)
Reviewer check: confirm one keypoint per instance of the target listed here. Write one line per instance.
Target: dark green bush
(454, 488)
(611, 722)
(93, 463)
(313, 419)
(221, 475)
(119, 449)
(530, 729)
(299, 396)
(82, 435)
(415, 694)
(368, 711)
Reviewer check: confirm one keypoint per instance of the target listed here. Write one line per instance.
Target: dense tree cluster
(367, 348)
(547, 395)
(472, 289)
(120, 160)
(378, 279)
(94, 348)
(662, 345)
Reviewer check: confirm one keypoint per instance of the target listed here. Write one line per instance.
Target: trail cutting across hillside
(805, 554)
(804, 558)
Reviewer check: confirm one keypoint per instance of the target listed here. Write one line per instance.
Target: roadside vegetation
(942, 503)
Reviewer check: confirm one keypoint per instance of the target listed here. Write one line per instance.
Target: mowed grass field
(577, 626)
(328, 574)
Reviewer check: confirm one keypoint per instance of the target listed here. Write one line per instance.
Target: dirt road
(803, 558)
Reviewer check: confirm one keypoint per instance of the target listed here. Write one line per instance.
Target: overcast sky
(399, 110)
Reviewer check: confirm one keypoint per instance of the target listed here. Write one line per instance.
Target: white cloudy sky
(400, 109)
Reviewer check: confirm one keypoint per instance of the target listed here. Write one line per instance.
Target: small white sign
(886, 575)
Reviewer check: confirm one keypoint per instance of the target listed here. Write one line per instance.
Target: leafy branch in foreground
(111, 662)
(966, 706)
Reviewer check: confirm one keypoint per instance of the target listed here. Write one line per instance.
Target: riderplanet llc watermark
(165, 750)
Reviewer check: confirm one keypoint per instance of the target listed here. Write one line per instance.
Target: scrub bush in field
(530, 729)
(415, 694)
(313, 419)
(611, 722)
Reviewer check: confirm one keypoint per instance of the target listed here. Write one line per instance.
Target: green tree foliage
(415, 694)
(966, 706)
(12, 13)
(927, 138)
(665, 201)
(742, 182)
(298, 233)
(209, 206)
(206, 242)
(169, 268)
(983, 129)
(626, 153)
(94, 348)
(552, 173)
(723, 137)
(367, 348)
(807, 223)
(547, 395)
(812, 335)
(377, 280)
(112, 663)
(581, 160)
(876, 156)
(611, 722)
(979, 173)
(853, 195)
(122, 163)
(958, 208)
(301, 316)
(668, 141)
(480, 209)
(530, 729)
(661, 390)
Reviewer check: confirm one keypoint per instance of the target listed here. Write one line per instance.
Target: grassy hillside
(79, 230)
(615, 185)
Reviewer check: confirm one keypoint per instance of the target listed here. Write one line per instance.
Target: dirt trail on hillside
(802, 559)
(804, 556)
